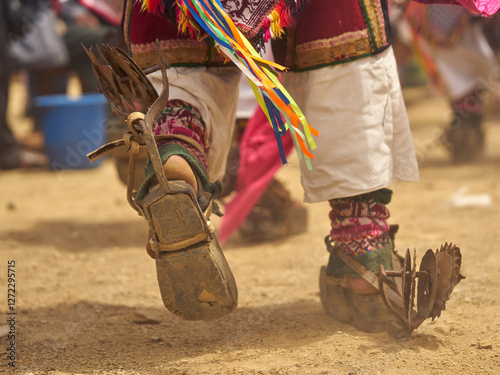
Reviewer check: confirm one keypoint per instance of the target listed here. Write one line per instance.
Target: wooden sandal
(195, 280)
(392, 308)
(194, 277)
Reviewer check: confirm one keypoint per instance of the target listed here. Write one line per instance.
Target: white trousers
(365, 142)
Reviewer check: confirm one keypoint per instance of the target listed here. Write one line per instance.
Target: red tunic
(328, 32)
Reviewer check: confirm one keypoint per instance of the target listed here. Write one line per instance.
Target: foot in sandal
(195, 280)
(176, 200)
(367, 285)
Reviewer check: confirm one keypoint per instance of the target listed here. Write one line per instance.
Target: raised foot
(194, 278)
(177, 168)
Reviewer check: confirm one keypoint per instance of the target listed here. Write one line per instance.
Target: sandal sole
(194, 277)
(197, 283)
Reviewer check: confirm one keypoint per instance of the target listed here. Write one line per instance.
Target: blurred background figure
(42, 43)
(79, 26)
(95, 23)
(491, 27)
(456, 54)
(12, 154)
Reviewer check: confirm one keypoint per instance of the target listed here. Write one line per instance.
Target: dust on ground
(82, 271)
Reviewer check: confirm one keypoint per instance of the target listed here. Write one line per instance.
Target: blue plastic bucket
(72, 127)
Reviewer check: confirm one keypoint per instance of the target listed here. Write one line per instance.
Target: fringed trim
(290, 10)
(284, 15)
(185, 21)
(161, 7)
(153, 6)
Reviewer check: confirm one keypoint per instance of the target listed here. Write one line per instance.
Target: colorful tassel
(276, 30)
(279, 107)
(153, 6)
(185, 22)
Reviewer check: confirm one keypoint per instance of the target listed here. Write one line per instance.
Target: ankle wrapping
(180, 118)
(359, 227)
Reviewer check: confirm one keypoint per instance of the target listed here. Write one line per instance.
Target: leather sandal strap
(153, 113)
(182, 138)
(105, 149)
(366, 274)
(132, 163)
(389, 295)
(113, 145)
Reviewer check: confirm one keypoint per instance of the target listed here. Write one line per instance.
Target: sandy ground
(81, 272)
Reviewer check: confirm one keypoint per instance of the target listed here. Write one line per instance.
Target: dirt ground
(82, 272)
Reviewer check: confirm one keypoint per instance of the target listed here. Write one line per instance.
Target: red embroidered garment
(249, 15)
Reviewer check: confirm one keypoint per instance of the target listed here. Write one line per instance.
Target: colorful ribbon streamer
(281, 110)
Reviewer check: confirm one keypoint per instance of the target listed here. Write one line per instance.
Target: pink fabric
(484, 7)
(109, 10)
(259, 162)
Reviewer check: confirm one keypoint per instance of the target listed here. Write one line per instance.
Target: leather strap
(182, 138)
(111, 146)
(367, 275)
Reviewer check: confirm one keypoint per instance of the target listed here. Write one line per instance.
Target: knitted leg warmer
(180, 118)
(359, 227)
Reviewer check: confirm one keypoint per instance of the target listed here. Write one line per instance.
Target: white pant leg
(365, 142)
(468, 63)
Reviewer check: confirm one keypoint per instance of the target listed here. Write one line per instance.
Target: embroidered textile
(315, 41)
(179, 117)
(254, 18)
(143, 29)
(363, 30)
(367, 19)
(359, 227)
(249, 15)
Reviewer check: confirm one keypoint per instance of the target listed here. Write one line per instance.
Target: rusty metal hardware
(432, 284)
